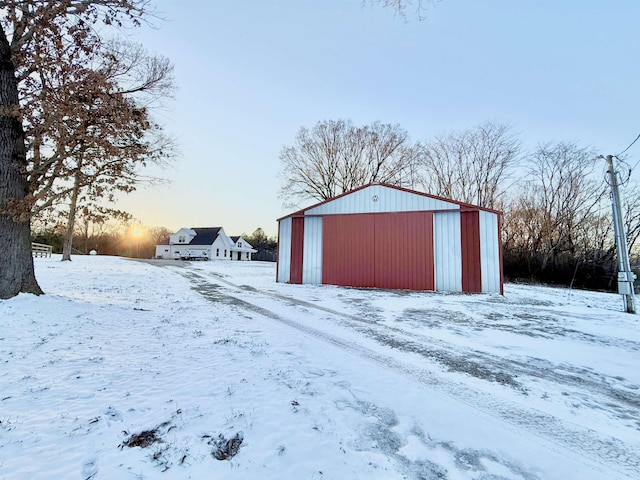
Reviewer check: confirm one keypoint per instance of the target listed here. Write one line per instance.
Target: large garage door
(379, 250)
(348, 250)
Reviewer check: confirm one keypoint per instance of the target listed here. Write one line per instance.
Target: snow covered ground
(129, 370)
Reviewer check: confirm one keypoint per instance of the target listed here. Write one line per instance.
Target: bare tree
(159, 235)
(631, 209)
(336, 156)
(102, 132)
(560, 217)
(92, 223)
(24, 25)
(418, 7)
(472, 166)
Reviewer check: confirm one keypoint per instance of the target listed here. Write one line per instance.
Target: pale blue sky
(250, 73)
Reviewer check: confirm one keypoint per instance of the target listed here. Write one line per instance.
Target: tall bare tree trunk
(16, 262)
(86, 237)
(71, 220)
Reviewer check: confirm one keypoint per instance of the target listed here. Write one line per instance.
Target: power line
(634, 167)
(629, 146)
(624, 182)
(631, 169)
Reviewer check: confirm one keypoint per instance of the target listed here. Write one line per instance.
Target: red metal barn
(389, 237)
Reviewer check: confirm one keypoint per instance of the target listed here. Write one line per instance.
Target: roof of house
(235, 239)
(205, 236)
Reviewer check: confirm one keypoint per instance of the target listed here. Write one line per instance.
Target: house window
(217, 252)
(247, 255)
(225, 253)
(181, 239)
(240, 244)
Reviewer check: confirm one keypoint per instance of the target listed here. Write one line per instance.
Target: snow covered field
(130, 370)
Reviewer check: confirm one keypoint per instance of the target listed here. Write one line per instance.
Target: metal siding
(312, 260)
(489, 252)
(403, 245)
(470, 241)
(388, 200)
(297, 249)
(284, 250)
(347, 257)
(447, 251)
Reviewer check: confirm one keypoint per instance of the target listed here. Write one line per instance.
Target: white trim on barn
(489, 250)
(284, 250)
(312, 260)
(446, 245)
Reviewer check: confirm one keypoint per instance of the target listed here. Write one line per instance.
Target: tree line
(110, 237)
(126, 237)
(557, 225)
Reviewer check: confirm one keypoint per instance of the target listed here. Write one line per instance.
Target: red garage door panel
(347, 250)
(404, 251)
(379, 250)
(297, 249)
(470, 241)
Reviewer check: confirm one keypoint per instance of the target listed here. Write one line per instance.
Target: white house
(205, 244)
(241, 249)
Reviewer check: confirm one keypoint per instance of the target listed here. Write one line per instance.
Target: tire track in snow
(504, 372)
(600, 450)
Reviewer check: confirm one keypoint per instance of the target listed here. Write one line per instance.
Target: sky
(251, 73)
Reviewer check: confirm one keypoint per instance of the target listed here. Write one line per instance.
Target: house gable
(182, 237)
(221, 245)
(239, 244)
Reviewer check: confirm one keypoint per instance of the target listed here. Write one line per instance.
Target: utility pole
(625, 276)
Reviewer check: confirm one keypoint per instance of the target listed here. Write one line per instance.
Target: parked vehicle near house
(190, 254)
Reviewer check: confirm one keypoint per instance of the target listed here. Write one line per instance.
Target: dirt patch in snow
(226, 448)
(142, 439)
